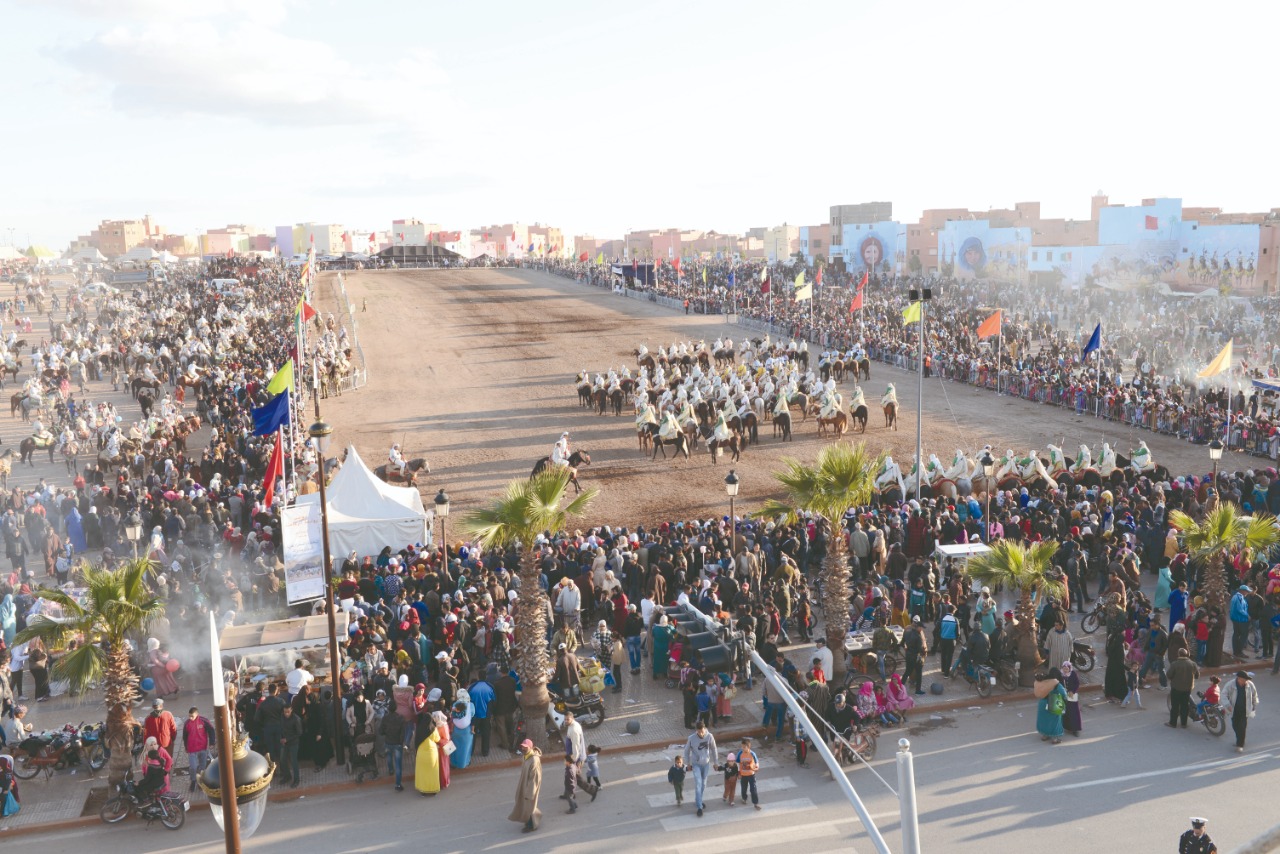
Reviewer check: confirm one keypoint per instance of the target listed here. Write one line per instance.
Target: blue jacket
(1239, 608)
(481, 696)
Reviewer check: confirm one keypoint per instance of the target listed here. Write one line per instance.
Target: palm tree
(1015, 566)
(1209, 543)
(529, 508)
(117, 604)
(843, 477)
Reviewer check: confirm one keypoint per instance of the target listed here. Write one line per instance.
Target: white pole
(999, 353)
(920, 400)
(907, 799)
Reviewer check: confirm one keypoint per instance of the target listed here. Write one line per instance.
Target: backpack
(1057, 703)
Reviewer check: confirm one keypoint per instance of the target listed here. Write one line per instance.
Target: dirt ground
(473, 369)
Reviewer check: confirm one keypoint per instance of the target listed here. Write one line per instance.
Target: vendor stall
(268, 650)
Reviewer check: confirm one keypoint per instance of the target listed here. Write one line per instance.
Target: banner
(303, 553)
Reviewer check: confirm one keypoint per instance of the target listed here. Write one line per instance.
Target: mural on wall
(871, 246)
(972, 249)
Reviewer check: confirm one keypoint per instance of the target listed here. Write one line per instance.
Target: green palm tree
(843, 477)
(118, 605)
(1024, 568)
(1209, 543)
(527, 509)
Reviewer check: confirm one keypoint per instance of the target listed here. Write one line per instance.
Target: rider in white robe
(560, 451)
(832, 403)
(669, 428)
(396, 460)
(648, 415)
(890, 396)
(722, 432)
(1141, 460)
(858, 399)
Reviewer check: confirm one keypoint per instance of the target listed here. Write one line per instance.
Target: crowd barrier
(359, 375)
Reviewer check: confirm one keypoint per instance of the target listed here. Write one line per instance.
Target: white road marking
(654, 777)
(765, 838)
(765, 784)
(1182, 772)
(736, 814)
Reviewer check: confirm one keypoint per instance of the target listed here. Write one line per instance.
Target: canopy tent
(139, 253)
(271, 648)
(366, 514)
(11, 253)
(433, 252)
(1267, 384)
(89, 254)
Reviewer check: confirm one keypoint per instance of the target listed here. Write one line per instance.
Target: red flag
(818, 278)
(402, 237)
(344, 235)
(676, 264)
(275, 470)
(764, 284)
(230, 254)
(857, 302)
(990, 326)
(313, 238)
(866, 277)
(513, 237)
(430, 234)
(583, 256)
(372, 237)
(307, 312)
(486, 237)
(1153, 223)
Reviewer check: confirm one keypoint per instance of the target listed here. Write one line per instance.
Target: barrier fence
(359, 376)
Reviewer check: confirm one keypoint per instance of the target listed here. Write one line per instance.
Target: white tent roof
(11, 253)
(366, 514)
(89, 253)
(140, 253)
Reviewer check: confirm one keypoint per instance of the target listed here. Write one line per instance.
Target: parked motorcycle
(981, 676)
(587, 708)
(169, 809)
(1083, 657)
(55, 750)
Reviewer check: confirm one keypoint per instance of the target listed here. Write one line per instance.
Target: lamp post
(320, 433)
(731, 489)
(988, 464)
(237, 784)
(1215, 454)
(442, 513)
(133, 529)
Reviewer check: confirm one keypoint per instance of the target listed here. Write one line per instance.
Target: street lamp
(320, 433)
(133, 529)
(1215, 454)
(988, 464)
(731, 489)
(442, 513)
(237, 784)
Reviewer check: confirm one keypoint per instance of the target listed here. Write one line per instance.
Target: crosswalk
(740, 828)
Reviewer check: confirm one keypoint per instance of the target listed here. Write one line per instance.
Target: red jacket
(161, 727)
(196, 734)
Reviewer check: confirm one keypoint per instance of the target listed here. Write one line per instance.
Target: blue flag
(271, 417)
(732, 279)
(1095, 342)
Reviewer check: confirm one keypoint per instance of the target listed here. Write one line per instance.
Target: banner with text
(303, 553)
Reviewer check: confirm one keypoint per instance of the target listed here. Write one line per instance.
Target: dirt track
(474, 369)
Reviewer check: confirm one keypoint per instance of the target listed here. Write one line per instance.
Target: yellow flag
(704, 275)
(600, 259)
(911, 314)
(282, 381)
(1219, 364)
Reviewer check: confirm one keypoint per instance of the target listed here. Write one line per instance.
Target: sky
(604, 117)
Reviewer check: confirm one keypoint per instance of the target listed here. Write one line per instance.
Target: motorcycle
(55, 750)
(169, 809)
(981, 676)
(587, 708)
(1213, 717)
(1083, 658)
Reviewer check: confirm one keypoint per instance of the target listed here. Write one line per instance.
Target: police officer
(1195, 840)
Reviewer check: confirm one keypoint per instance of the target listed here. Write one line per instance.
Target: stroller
(362, 758)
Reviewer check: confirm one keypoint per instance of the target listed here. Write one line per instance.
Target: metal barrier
(358, 376)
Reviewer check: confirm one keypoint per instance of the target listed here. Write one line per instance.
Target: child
(703, 699)
(593, 766)
(730, 768)
(1133, 659)
(570, 784)
(1212, 695)
(675, 776)
(887, 716)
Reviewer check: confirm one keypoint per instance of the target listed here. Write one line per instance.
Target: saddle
(44, 440)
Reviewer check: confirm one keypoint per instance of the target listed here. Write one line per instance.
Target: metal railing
(359, 376)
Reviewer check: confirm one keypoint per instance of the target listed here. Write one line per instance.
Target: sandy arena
(473, 369)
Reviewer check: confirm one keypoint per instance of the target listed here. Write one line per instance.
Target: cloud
(248, 70)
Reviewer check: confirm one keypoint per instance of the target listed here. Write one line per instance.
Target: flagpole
(1228, 442)
(999, 353)
(1097, 387)
(920, 401)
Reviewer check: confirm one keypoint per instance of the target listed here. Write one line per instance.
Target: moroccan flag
(764, 283)
(583, 256)
(1153, 223)
(866, 277)
(1221, 363)
(283, 380)
(372, 237)
(911, 314)
(344, 235)
(676, 264)
(305, 310)
(275, 470)
(990, 326)
(857, 302)
(818, 278)
(270, 417)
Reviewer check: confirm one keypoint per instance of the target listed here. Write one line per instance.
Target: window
(1048, 256)
(933, 251)
(1035, 256)
(817, 244)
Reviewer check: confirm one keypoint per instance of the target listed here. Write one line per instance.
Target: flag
(818, 277)
(230, 254)
(530, 247)
(306, 311)
(283, 379)
(990, 326)
(676, 264)
(344, 236)
(402, 237)
(373, 238)
(275, 471)
(600, 258)
(1153, 223)
(732, 279)
(704, 275)
(583, 256)
(1221, 363)
(804, 292)
(764, 283)
(866, 277)
(857, 302)
(911, 314)
(270, 417)
(1095, 342)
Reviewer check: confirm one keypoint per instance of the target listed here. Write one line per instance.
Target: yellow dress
(426, 770)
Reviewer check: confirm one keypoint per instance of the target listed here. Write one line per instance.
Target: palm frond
(1261, 533)
(82, 667)
(54, 634)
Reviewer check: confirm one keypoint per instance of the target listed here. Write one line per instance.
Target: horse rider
(858, 399)
(670, 428)
(560, 451)
(831, 404)
(890, 396)
(396, 460)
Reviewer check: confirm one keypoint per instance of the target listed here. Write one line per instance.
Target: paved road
(985, 781)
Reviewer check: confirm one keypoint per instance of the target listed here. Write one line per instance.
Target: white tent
(366, 514)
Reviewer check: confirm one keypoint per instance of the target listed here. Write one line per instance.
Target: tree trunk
(1215, 597)
(530, 649)
(1026, 637)
(835, 599)
(118, 691)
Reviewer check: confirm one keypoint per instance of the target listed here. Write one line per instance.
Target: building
(815, 241)
(115, 237)
(781, 242)
(863, 213)
(327, 239)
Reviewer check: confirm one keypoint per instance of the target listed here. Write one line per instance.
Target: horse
(864, 368)
(725, 358)
(576, 459)
(801, 400)
(71, 455)
(734, 444)
(391, 474)
(838, 422)
(890, 495)
(146, 400)
(646, 361)
(860, 416)
(782, 424)
(138, 383)
(837, 369)
(584, 392)
(28, 446)
(945, 488)
(891, 415)
(1156, 474)
(616, 399)
(680, 443)
(748, 426)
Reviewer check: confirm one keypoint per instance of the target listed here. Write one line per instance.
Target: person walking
(948, 631)
(526, 810)
(1182, 681)
(700, 755)
(160, 725)
(1072, 721)
(748, 767)
(1052, 706)
(575, 747)
(1195, 840)
(916, 648)
(1241, 703)
(675, 776)
(197, 736)
(392, 729)
(570, 783)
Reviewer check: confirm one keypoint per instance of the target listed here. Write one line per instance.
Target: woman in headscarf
(526, 810)
(8, 786)
(1115, 684)
(441, 729)
(1164, 585)
(1049, 691)
(868, 708)
(463, 713)
(1059, 642)
(75, 531)
(318, 732)
(8, 619)
(662, 634)
(427, 764)
(1071, 719)
(158, 661)
(165, 757)
(899, 698)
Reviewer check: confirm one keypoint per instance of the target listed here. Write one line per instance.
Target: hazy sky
(600, 117)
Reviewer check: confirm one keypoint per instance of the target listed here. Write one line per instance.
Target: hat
(916, 618)
(442, 656)
(526, 745)
(1243, 588)
(1199, 822)
(157, 703)
(986, 590)
(1242, 674)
